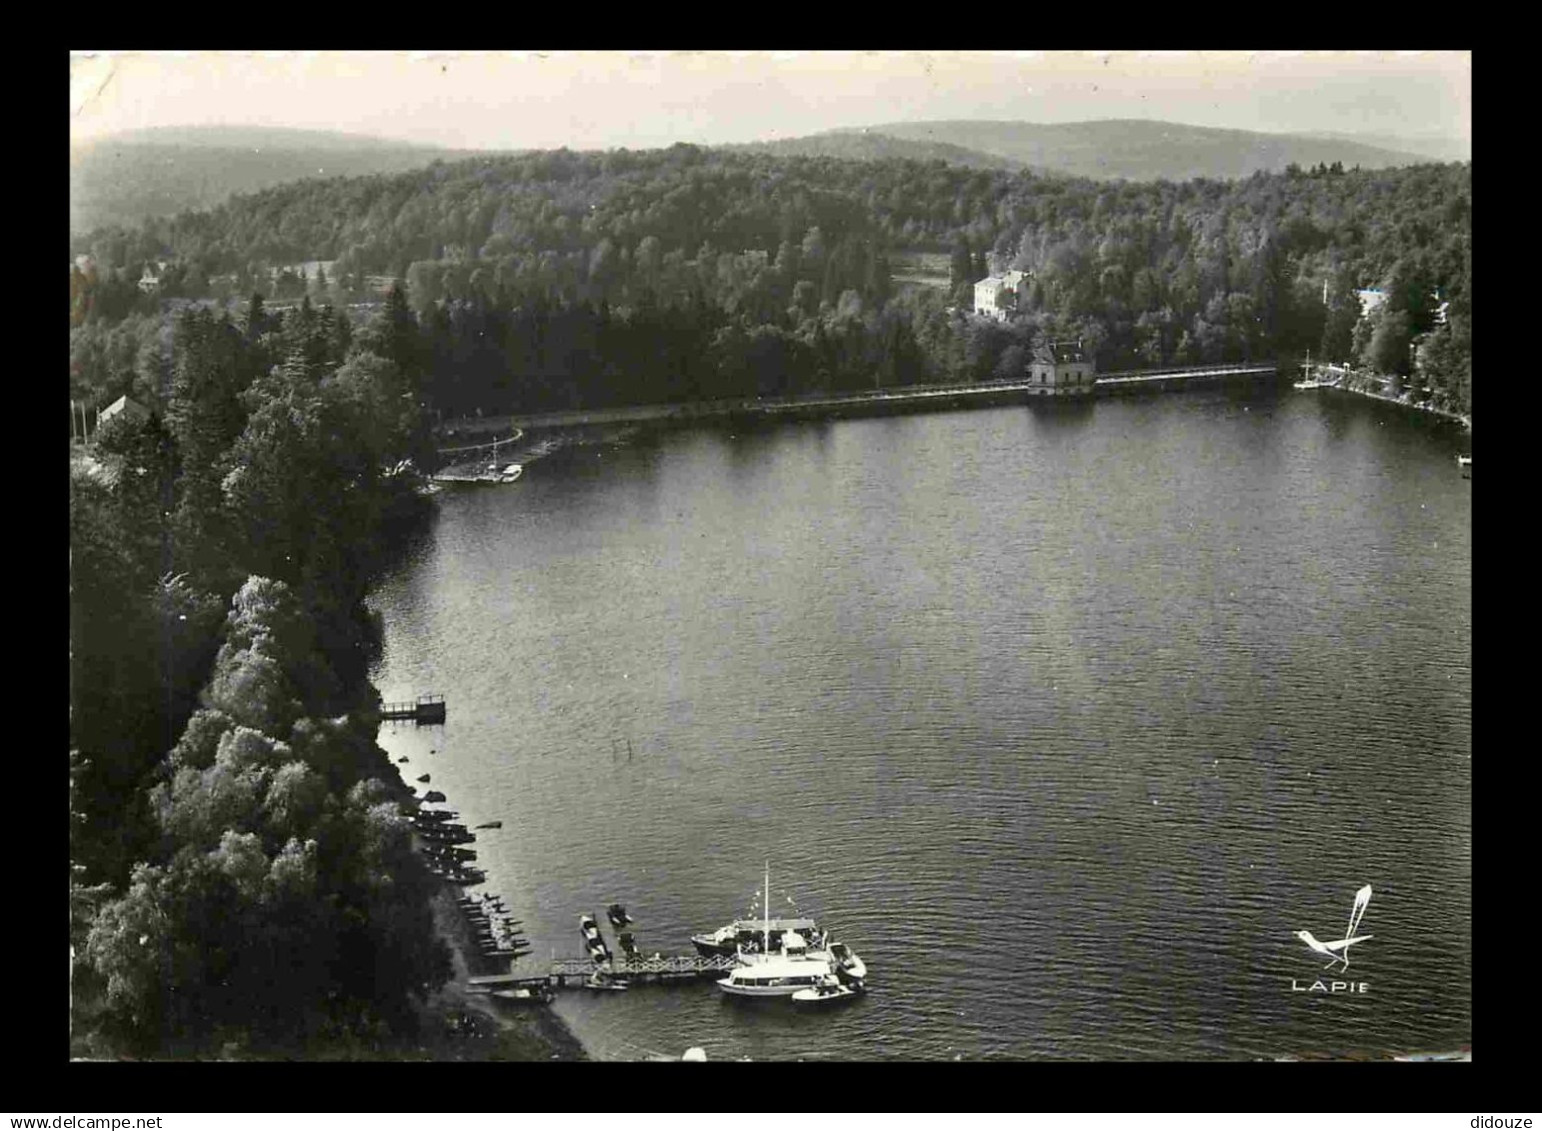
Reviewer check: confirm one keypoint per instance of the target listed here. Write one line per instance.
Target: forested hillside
(242, 876)
(557, 279)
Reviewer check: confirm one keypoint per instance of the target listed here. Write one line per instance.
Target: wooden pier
(563, 971)
(427, 709)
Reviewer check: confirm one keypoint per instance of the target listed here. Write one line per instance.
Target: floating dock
(426, 709)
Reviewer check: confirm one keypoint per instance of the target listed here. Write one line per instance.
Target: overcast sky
(602, 100)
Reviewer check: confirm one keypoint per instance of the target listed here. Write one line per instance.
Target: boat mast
(765, 911)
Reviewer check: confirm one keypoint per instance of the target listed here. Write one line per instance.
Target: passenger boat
(728, 939)
(787, 967)
(775, 976)
(788, 937)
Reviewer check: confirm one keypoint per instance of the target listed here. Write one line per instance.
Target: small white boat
(511, 473)
(1464, 461)
(846, 958)
(524, 994)
(831, 990)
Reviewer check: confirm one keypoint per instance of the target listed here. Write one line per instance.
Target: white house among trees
(997, 296)
(131, 410)
(1370, 300)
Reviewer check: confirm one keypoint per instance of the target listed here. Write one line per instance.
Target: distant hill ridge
(225, 137)
(872, 145)
(1432, 147)
(123, 178)
(1139, 149)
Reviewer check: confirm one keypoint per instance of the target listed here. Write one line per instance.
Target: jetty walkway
(561, 971)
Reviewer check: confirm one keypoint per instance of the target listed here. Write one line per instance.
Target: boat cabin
(755, 930)
(779, 973)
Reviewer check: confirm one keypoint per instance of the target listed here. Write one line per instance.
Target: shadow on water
(1065, 414)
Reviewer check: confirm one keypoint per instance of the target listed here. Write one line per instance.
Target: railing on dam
(900, 394)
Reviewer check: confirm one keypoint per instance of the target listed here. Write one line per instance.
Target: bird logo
(1338, 952)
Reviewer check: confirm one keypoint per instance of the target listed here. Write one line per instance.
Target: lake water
(1065, 718)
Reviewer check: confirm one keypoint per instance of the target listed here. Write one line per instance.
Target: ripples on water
(1066, 719)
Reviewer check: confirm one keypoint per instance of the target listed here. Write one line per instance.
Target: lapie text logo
(1338, 952)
